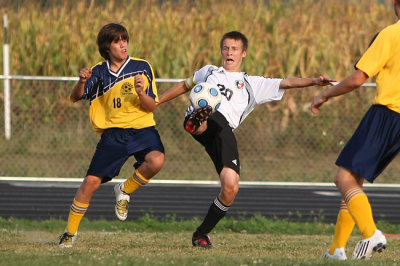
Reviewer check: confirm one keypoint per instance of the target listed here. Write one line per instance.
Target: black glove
(194, 119)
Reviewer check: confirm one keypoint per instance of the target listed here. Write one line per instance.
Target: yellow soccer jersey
(383, 59)
(114, 102)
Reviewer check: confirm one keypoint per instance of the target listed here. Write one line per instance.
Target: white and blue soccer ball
(204, 94)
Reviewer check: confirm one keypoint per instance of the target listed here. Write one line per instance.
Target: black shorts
(220, 143)
(374, 144)
(117, 145)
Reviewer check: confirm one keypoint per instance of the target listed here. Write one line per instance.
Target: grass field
(151, 242)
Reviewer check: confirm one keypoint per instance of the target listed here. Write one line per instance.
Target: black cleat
(194, 120)
(203, 241)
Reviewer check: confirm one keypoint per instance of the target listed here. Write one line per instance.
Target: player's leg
(343, 229)
(220, 205)
(145, 144)
(221, 146)
(360, 209)
(151, 165)
(78, 209)
(229, 186)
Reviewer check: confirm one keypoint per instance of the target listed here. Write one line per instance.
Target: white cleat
(339, 254)
(365, 247)
(122, 201)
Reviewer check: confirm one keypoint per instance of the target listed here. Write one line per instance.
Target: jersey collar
(120, 69)
(221, 69)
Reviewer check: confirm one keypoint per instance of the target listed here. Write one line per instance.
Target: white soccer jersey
(241, 93)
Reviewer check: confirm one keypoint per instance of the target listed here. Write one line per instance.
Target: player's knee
(155, 159)
(91, 184)
(230, 188)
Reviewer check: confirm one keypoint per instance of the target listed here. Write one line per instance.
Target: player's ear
(244, 54)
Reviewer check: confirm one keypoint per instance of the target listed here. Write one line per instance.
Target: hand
(85, 74)
(139, 84)
(317, 103)
(324, 81)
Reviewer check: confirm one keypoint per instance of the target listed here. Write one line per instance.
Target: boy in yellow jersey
(374, 144)
(122, 94)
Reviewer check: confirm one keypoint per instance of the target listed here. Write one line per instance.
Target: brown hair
(236, 36)
(108, 34)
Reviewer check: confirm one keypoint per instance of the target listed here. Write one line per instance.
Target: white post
(6, 70)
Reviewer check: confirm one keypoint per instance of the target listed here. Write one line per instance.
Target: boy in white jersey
(122, 94)
(241, 94)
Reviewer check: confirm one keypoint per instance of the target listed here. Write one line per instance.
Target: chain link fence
(281, 141)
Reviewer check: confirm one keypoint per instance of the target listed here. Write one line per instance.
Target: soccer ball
(204, 94)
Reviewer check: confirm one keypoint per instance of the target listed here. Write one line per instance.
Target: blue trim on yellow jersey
(103, 79)
(114, 102)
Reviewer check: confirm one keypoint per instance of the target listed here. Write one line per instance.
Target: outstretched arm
(176, 90)
(289, 83)
(350, 83)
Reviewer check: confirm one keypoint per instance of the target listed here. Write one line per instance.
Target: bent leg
(152, 164)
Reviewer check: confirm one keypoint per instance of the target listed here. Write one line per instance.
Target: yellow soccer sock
(344, 228)
(76, 214)
(134, 182)
(360, 210)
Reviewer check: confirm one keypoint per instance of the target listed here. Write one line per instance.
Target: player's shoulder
(100, 64)
(100, 68)
(208, 68)
(137, 59)
(136, 62)
(392, 30)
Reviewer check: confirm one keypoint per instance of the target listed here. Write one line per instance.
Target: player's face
(118, 50)
(232, 54)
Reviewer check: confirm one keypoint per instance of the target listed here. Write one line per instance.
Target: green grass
(147, 241)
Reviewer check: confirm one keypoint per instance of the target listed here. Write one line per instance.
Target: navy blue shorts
(374, 144)
(117, 145)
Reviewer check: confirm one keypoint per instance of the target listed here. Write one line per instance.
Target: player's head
(108, 34)
(235, 35)
(233, 50)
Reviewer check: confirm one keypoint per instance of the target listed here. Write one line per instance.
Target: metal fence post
(6, 70)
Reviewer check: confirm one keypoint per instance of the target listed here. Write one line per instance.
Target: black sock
(215, 213)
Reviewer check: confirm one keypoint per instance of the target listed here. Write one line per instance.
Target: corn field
(279, 142)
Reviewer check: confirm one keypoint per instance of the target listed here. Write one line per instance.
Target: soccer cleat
(339, 254)
(67, 240)
(201, 241)
(122, 201)
(193, 120)
(364, 248)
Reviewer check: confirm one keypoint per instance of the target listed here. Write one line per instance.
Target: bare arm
(148, 103)
(176, 90)
(78, 90)
(350, 83)
(289, 83)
